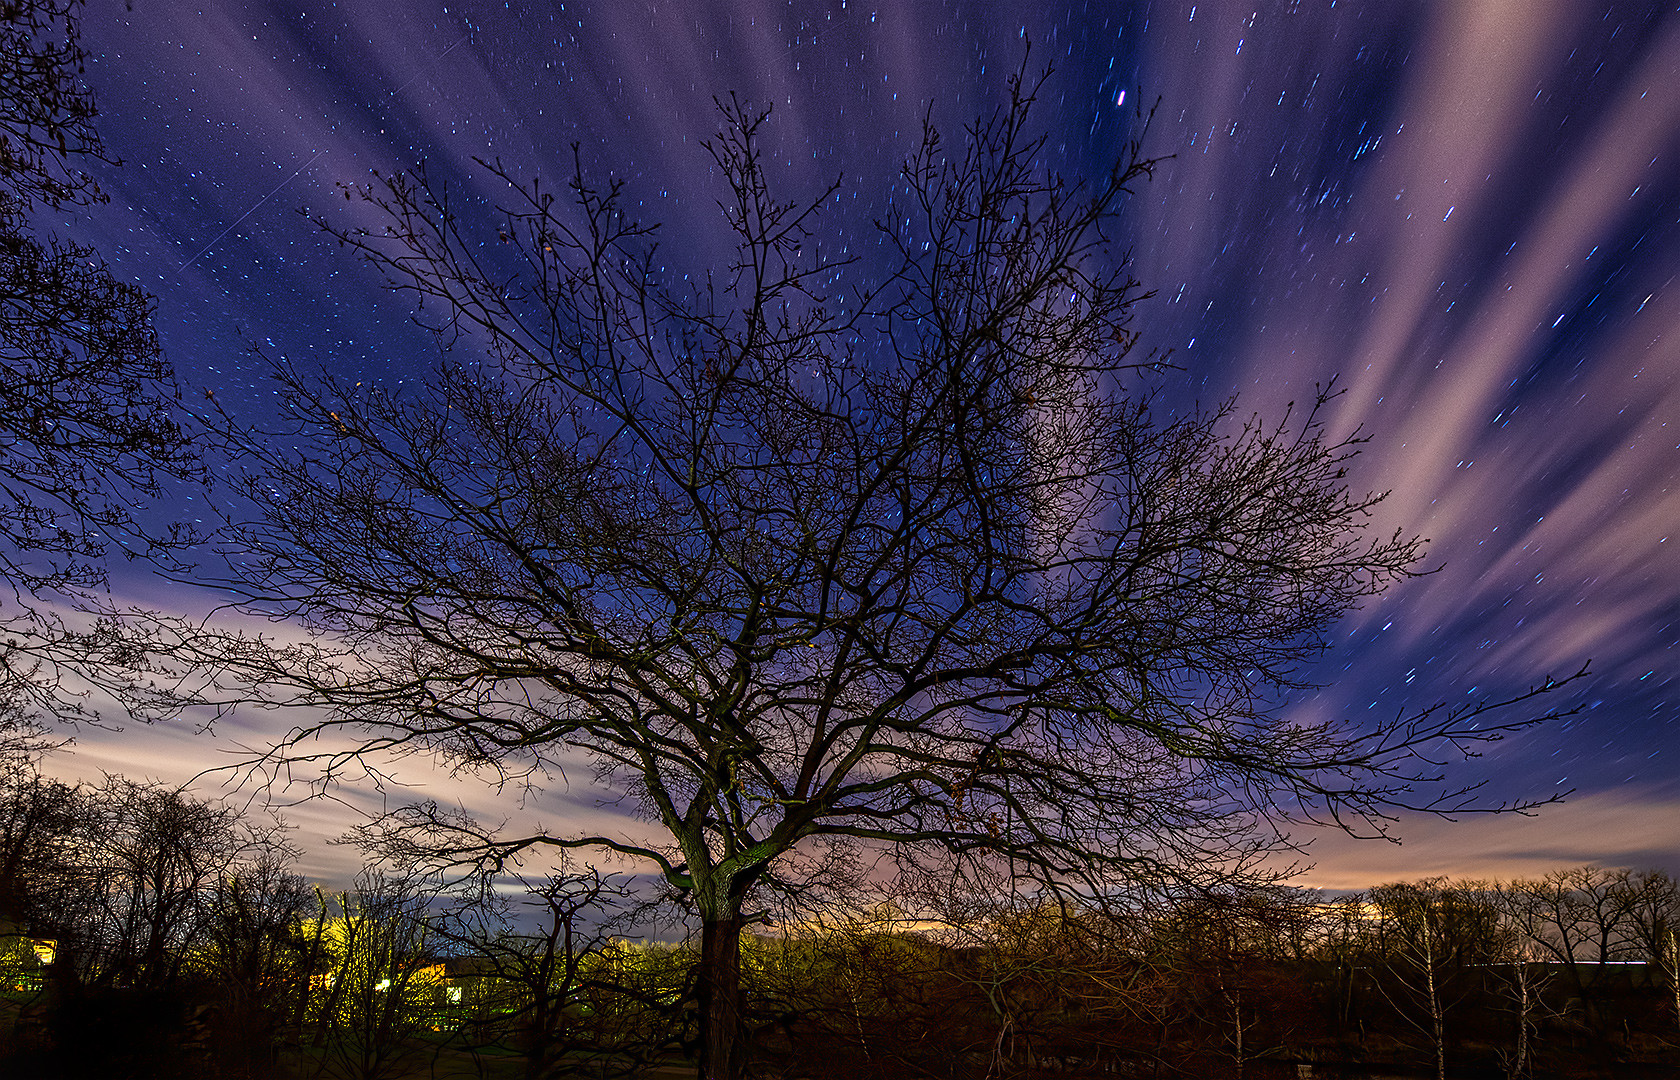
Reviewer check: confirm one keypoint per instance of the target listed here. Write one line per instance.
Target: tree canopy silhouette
(87, 428)
(818, 554)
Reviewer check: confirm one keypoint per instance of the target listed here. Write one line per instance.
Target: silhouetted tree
(1579, 917)
(254, 953)
(1427, 937)
(120, 876)
(380, 988)
(814, 552)
(1655, 910)
(533, 946)
(40, 819)
(153, 856)
(1234, 961)
(86, 398)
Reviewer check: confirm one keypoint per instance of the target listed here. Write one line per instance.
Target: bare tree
(1584, 916)
(380, 992)
(816, 552)
(1233, 959)
(156, 856)
(39, 821)
(1427, 937)
(1669, 964)
(535, 945)
(1650, 901)
(120, 872)
(87, 424)
(255, 953)
(846, 992)
(1525, 980)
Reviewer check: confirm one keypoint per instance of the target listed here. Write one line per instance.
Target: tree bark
(722, 1049)
(1673, 965)
(1436, 1019)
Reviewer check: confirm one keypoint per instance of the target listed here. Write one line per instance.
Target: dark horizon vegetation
(183, 946)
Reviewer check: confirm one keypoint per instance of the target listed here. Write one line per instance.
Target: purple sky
(1468, 211)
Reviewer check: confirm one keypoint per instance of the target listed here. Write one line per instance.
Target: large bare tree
(808, 555)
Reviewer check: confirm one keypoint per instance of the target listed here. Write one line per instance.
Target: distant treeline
(146, 933)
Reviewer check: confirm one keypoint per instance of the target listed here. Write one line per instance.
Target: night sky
(1468, 211)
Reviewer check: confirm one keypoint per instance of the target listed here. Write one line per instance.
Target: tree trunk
(1524, 1018)
(1236, 1012)
(722, 1045)
(1436, 1018)
(1673, 957)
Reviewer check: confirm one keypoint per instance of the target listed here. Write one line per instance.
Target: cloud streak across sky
(1466, 213)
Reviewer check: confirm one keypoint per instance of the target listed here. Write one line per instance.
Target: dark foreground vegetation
(145, 933)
